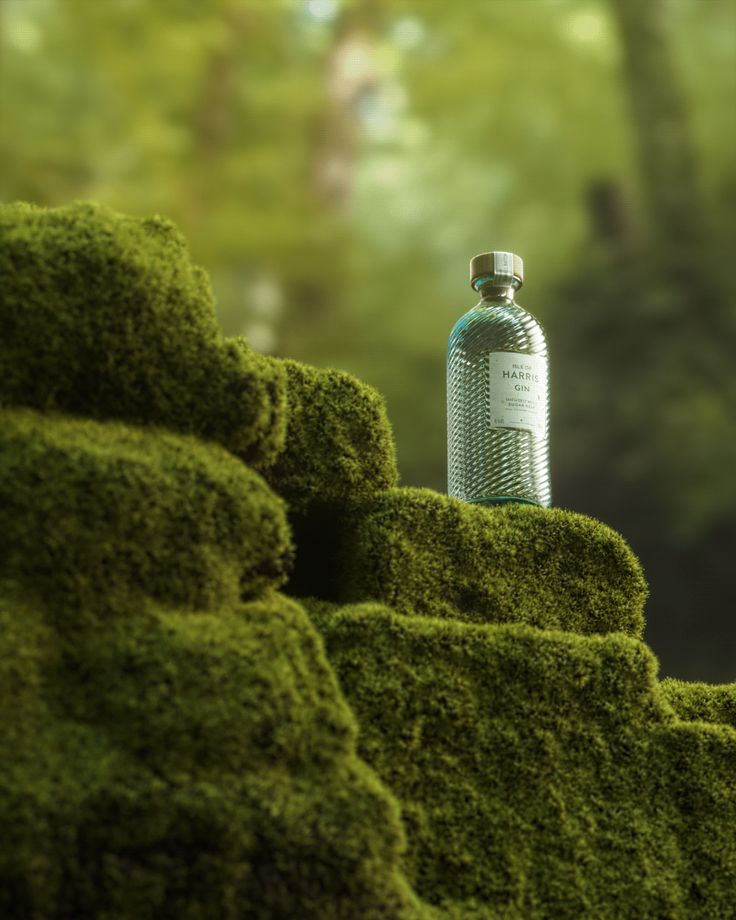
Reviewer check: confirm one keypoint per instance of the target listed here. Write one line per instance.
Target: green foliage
(352, 156)
(423, 553)
(540, 773)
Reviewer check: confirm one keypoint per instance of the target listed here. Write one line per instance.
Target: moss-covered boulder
(423, 553)
(105, 316)
(97, 515)
(193, 765)
(540, 774)
(165, 748)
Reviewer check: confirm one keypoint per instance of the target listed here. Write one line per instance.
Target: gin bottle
(497, 393)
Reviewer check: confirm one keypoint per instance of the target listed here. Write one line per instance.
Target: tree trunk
(678, 252)
(316, 323)
(666, 148)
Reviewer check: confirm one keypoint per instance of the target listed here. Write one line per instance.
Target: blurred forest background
(335, 164)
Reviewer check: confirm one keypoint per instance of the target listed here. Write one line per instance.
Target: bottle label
(517, 391)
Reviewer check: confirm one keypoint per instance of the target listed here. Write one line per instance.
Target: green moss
(174, 741)
(697, 702)
(540, 774)
(339, 445)
(148, 684)
(94, 516)
(421, 552)
(187, 764)
(104, 316)
(28, 652)
(168, 750)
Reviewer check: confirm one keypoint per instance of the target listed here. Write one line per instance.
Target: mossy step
(97, 517)
(209, 692)
(105, 316)
(339, 446)
(423, 553)
(188, 765)
(699, 702)
(541, 774)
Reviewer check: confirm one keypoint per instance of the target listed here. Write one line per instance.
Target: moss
(539, 773)
(339, 445)
(93, 516)
(147, 683)
(104, 316)
(169, 750)
(187, 764)
(421, 552)
(698, 702)
(174, 739)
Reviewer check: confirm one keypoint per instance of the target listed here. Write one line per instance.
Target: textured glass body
(488, 463)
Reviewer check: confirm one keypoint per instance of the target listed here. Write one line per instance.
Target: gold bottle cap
(504, 267)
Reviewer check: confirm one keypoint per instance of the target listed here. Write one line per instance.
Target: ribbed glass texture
(486, 464)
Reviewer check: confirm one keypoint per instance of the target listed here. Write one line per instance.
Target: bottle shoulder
(507, 326)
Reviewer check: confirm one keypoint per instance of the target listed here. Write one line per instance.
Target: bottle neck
(492, 292)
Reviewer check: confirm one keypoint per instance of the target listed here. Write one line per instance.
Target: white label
(517, 391)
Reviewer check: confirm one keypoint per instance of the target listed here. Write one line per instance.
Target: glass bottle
(497, 393)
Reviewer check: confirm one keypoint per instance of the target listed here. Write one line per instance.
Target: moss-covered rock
(339, 445)
(168, 750)
(96, 515)
(192, 765)
(104, 316)
(540, 773)
(698, 702)
(424, 553)
(174, 741)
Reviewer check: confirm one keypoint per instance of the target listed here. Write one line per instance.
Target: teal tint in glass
(497, 393)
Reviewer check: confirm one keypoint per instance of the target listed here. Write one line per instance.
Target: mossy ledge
(699, 702)
(541, 774)
(190, 765)
(339, 445)
(423, 553)
(95, 516)
(105, 316)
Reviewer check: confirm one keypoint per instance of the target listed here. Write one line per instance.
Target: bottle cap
(504, 267)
